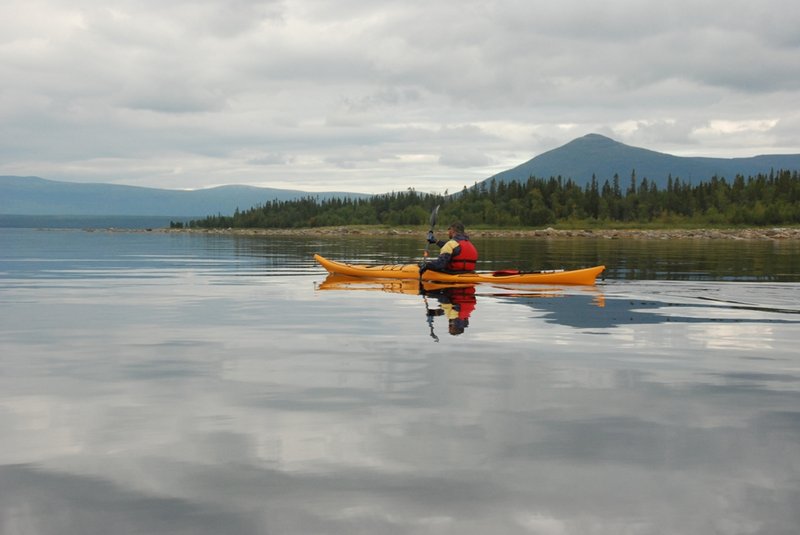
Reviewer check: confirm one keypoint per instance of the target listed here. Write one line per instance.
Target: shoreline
(771, 233)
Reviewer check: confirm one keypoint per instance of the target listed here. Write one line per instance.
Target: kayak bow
(411, 271)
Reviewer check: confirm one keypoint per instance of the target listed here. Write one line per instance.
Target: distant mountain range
(603, 157)
(37, 196)
(579, 159)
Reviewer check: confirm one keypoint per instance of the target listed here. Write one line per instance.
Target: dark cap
(458, 226)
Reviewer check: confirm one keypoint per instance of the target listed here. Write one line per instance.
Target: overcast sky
(381, 95)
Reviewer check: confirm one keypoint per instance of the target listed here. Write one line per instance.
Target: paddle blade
(434, 215)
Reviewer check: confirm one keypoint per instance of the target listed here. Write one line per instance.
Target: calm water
(158, 383)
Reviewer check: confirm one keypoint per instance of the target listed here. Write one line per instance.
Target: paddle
(434, 215)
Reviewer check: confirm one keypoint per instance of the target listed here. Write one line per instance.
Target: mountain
(37, 196)
(579, 159)
(595, 154)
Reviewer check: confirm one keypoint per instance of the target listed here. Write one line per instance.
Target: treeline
(765, 199)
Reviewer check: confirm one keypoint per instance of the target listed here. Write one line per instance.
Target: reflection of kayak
(335, 281)
(411, 271)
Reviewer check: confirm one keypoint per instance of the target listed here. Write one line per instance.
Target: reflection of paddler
(456, 304)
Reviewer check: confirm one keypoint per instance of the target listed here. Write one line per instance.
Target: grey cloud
(174, 98)
(201, 18)
(385, 96)
(271, 159)
(674, 132)
(462, 159)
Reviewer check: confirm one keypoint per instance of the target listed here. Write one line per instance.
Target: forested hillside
(764, 199)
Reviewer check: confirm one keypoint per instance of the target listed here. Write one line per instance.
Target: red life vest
(465, 258)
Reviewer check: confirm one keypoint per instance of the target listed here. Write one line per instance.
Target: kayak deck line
(585, 276)
(507, 272)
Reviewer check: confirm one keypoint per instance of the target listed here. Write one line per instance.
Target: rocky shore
(777, 233)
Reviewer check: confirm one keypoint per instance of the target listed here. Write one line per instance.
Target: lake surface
(194, 384)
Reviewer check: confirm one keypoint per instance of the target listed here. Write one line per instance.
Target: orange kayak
(411, 271)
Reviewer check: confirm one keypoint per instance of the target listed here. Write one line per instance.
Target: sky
(377, 96)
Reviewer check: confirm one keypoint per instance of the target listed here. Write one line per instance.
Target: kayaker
(457, 253)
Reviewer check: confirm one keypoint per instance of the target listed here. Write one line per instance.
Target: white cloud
(353, 93)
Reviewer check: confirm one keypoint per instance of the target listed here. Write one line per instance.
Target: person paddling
(457, 254)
